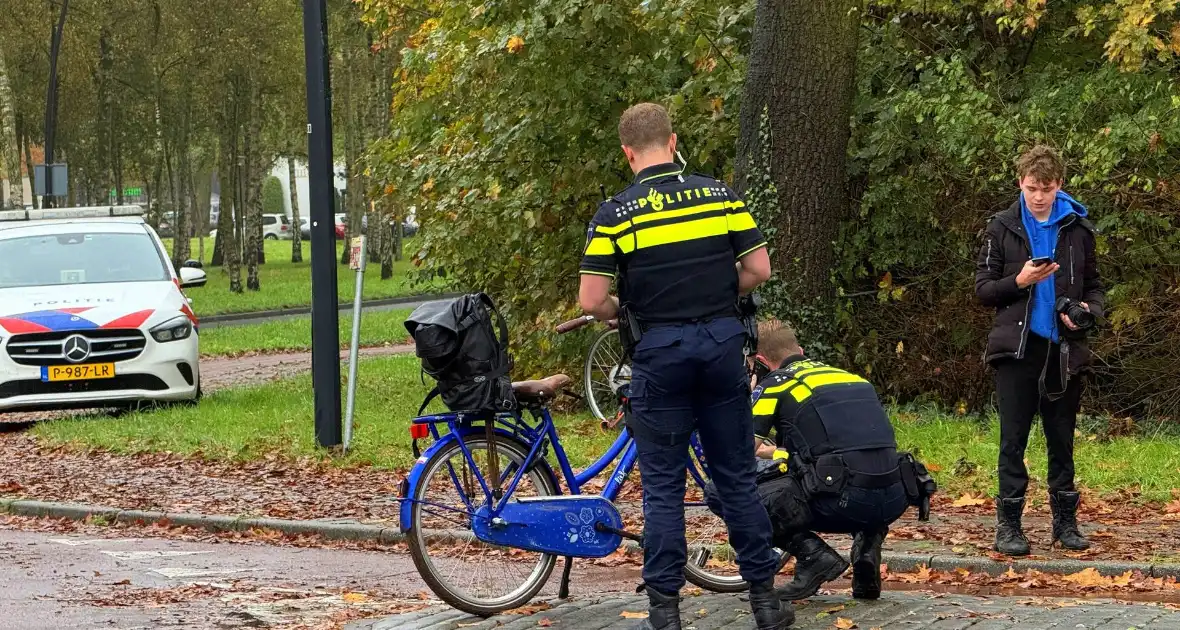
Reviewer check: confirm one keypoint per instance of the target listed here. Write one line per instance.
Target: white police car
(91, 312)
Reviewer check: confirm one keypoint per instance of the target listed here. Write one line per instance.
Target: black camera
(1080, 317)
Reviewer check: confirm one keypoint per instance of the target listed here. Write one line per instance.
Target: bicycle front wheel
(473, 576)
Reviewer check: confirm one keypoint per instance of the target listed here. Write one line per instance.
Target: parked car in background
(276, 226)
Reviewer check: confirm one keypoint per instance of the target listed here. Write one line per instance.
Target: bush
(272, 196)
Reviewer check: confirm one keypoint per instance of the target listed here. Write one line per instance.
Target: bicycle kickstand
(563, 591)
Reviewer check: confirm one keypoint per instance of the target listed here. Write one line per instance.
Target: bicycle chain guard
(561, 525)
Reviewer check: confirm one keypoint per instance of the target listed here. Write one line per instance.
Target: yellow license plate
(85, 372)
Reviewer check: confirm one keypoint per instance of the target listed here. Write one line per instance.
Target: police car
(92, 312)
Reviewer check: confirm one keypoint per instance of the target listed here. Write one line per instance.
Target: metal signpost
(357, 262)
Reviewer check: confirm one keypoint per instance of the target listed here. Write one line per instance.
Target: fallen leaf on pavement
(354, 598)
(545, 623)
(1088, 577)
(702, 613)
(968, 500)
(627, 614)
(844, 623)
(530, 609)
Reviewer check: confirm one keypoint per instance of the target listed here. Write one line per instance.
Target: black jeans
(1020, 398)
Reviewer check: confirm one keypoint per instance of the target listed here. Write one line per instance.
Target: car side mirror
(190, 277)
(192, 264)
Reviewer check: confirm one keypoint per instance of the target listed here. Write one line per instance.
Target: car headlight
(174, 329)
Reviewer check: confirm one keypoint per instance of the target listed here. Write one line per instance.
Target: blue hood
(1042, 238)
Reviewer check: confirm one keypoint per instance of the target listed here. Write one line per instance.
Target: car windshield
(79, 258)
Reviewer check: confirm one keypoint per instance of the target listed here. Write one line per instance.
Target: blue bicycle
(486, 516)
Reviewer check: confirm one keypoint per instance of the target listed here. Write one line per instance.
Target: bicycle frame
(462, 426)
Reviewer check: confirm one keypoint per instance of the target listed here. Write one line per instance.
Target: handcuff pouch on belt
(919, 485)
(827, 476)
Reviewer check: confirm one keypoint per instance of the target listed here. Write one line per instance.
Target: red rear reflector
(419, 431)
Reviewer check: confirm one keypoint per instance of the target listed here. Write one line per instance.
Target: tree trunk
(181, 245)
(296, 223)
(228, 163)
(253, 188)
(802, 68)
(107, 117)
(9, 144)
(25, 142)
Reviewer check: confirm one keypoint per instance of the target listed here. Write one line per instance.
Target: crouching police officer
(673, 240)
(835, 467)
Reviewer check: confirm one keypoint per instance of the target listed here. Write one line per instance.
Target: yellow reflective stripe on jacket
(682, 212)
(820, 380)
(673, 233)
(740, 222)
(765, 406)
(600, 246)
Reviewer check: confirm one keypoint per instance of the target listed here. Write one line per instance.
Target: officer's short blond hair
(778, 343)
(645, 126)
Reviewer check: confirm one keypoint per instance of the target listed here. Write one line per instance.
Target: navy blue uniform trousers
(685, 377)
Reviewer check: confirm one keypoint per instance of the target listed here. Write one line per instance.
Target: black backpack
(458, 346)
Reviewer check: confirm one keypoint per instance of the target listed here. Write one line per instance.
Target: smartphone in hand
(1041, 261)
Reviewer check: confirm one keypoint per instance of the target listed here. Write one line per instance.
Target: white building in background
(301, 185)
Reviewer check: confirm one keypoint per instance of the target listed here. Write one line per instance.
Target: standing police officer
(673, 240)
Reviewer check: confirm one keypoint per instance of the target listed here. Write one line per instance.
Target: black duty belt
(874, 481)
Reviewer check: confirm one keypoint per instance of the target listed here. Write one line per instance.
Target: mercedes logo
(75, 349)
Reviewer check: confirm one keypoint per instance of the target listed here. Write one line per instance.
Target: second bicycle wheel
(712, 562)
(604, 373)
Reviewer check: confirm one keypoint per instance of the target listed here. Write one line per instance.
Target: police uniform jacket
(672, 239)
(815, 410)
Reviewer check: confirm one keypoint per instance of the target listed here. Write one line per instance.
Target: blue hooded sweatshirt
(1043, 238)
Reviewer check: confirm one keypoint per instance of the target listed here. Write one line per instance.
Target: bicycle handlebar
(574, 324)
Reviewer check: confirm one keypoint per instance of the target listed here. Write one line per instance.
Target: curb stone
(353, 531)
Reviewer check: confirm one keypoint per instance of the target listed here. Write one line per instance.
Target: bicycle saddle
(541, 390)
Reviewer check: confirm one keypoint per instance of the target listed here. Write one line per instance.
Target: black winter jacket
(1005, 250)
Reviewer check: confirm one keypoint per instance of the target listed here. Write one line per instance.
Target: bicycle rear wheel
(473, 576)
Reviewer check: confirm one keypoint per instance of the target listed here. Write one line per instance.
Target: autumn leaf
(354, 598)
(968, 500)
(1088, 577)
(515, 44)
(627, 614)
(545, 623)
(844, 623)
(1172, 507)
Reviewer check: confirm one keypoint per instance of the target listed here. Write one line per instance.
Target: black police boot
(1065, 520)
(663, 611)
(769, 612)
(866, 564)
(815, 563)
(1010, 539)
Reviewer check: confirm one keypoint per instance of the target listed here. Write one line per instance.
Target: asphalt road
(55, 580)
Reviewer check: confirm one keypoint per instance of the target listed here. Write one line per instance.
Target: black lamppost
(325, 318)
(51, 105)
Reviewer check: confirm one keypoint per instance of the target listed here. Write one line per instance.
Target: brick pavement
(896, 610)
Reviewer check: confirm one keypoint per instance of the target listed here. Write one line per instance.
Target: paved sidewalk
(912, 611)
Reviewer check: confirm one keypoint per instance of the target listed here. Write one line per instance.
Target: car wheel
(271, 237)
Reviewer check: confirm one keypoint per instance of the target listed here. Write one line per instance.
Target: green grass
(277, 418)
(377, 328)
(286, 284)
(965, 452)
